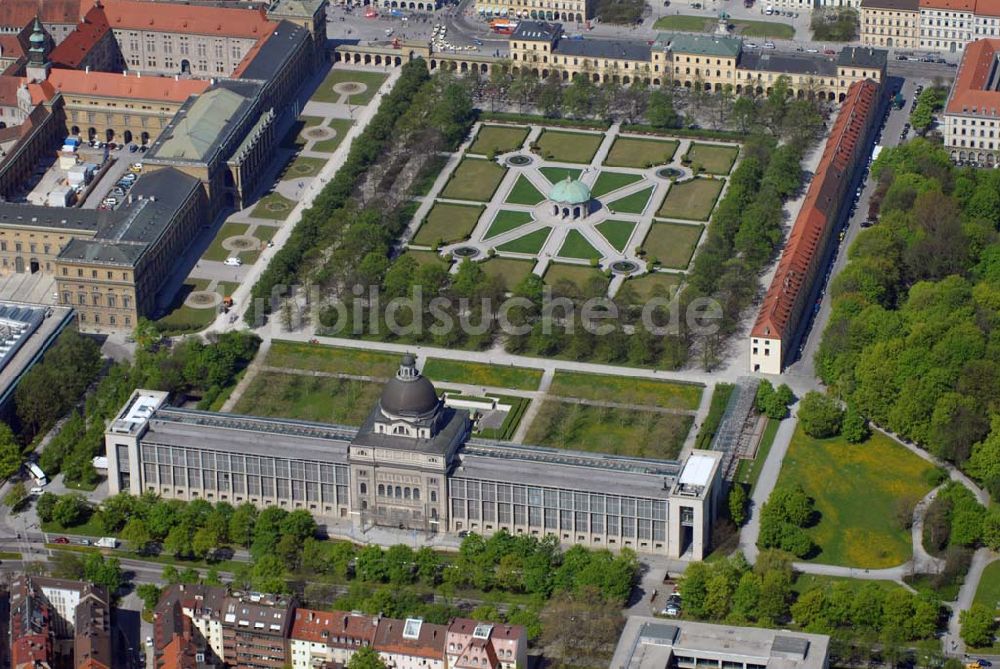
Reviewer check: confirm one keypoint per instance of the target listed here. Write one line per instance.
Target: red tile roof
(195, 19)
(429, 643)
(19, 13)
(8, 90)
(969, 94)
(111, 85)
(329, 626)
(782, 307)
(11, 46)
(72, 50)
(949, 5)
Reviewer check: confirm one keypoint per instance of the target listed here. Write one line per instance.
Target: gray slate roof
(602, 48)
(862, 56)
(275, 50)
(792, 63)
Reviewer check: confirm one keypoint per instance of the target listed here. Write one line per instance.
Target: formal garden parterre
(574, 205)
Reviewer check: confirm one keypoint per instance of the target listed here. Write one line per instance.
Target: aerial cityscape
(499, 334)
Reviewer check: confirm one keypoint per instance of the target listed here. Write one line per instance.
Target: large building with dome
(413, 465)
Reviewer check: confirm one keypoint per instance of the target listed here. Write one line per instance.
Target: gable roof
(971, 92)
(189, 19)
(112, 85)
(195, 134)
(18, 13)
(88, 33)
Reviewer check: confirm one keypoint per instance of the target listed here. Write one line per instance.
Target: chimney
(87, 69)
(347, 618)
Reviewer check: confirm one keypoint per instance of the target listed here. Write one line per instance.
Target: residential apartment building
(890, 23)
(787, 304)
(413, 464)
(946, 25)
(653, 643)
(199, 626)
(56, 622)
(971, 123)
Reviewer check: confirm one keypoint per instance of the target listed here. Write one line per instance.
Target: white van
(233, 261)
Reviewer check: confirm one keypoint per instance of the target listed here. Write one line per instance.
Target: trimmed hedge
(699, 133)
(506, 117)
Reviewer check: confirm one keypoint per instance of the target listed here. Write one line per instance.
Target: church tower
(38, 54)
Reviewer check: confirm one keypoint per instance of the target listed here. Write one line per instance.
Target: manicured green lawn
(699, 24)
(529, 243)
(631, 204)
(524, 192)
(338, 125)
(181, 318)
(569, 147)
(505, 220)
(480, 374)
(371, 80)
(628, 432)
(274, 207)
(448, 223)
(657, 284)
(302, 167)
(332, 359)
(616, 232)
(692, 200)
(640, 152)
(264, 232)
(672, 244)
(510, 270)
(557, 174)
(627, 390)
(474, 179)
(578, 275)
(714, 158)
(857, 489)
(988, 592)
(424, 257)
(215, 250)
(612, 181)
(806, 582)
(502, 138)
(314, 398)
(768, 29)
(683, 22)
(294, 139)
(576, 246)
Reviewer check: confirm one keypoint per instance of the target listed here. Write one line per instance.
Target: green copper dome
(570, 191)
(37, 36)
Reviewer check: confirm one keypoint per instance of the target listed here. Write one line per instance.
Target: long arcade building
(413, 465)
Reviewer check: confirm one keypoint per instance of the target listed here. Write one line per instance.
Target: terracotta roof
(112, 85)
(429, 642)
(179, 653)
(330, 627)
(195, 19)
(19, 13)
(949, 5)
(792, 282)
(11, 46)
(8, 90)
(969, 94)
(72, 50)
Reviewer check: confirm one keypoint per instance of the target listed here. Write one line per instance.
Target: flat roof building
(413, 465)
(652, 643)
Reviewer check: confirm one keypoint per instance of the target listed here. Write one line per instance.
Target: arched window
(381, 489)
(406, 493)
(363, 487)
(434, 496)
(416, 494)
(399, 492)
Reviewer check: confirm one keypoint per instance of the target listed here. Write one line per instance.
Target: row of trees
(734, 592)
(190, 366)
(911, 340)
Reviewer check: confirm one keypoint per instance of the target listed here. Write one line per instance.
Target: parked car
(768, 45)
(36, 491)
(84, 542)
(233, 261)
(60, 540)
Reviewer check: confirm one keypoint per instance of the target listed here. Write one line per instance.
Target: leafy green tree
(149, 594)
(978, 625)
(136, 534)
(371, 564)
(16, 496)
(366, 658)
(820, 415)
(170, 574)
(10, 452)
(204, 541)
(241, 524)
(212, 577)
(428, 565)
(738, 503)
(45, 507)
(70, 510)
(775, 595)
(179, 540)
(809, 611)
(101, 571)
(661, 112)
(746, 598)
(694, 588)
(268, 574)
(855, 428)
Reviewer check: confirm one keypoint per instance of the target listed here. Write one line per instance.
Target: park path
(253, 369)
(536, 405)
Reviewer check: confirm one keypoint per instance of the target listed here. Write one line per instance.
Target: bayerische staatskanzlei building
(413, 465)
